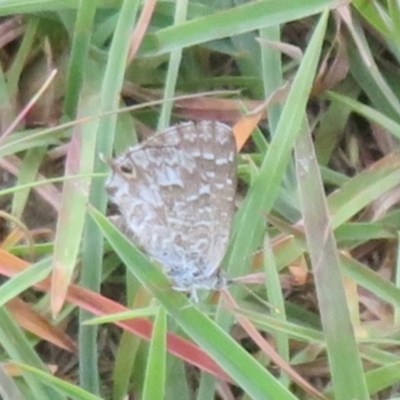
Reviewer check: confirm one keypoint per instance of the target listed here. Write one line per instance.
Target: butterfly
(175, 194)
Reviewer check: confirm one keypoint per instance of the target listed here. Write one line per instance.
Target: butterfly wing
(176, 195)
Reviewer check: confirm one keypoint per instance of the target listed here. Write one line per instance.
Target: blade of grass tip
(155, 369)
(245, 126)
(347, 373)
(70, 223)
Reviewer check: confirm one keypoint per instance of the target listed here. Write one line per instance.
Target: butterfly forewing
(175, 193)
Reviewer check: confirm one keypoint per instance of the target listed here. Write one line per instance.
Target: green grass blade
(154, 384)
(346, 367)
(266, 186)
(234, 360)
(221, 24)
(24, 280)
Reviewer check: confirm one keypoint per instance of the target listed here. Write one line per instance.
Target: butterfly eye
(126, 169)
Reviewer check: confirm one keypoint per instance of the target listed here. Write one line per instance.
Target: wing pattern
(175, 193)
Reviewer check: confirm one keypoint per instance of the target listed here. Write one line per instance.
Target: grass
(314, 244)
